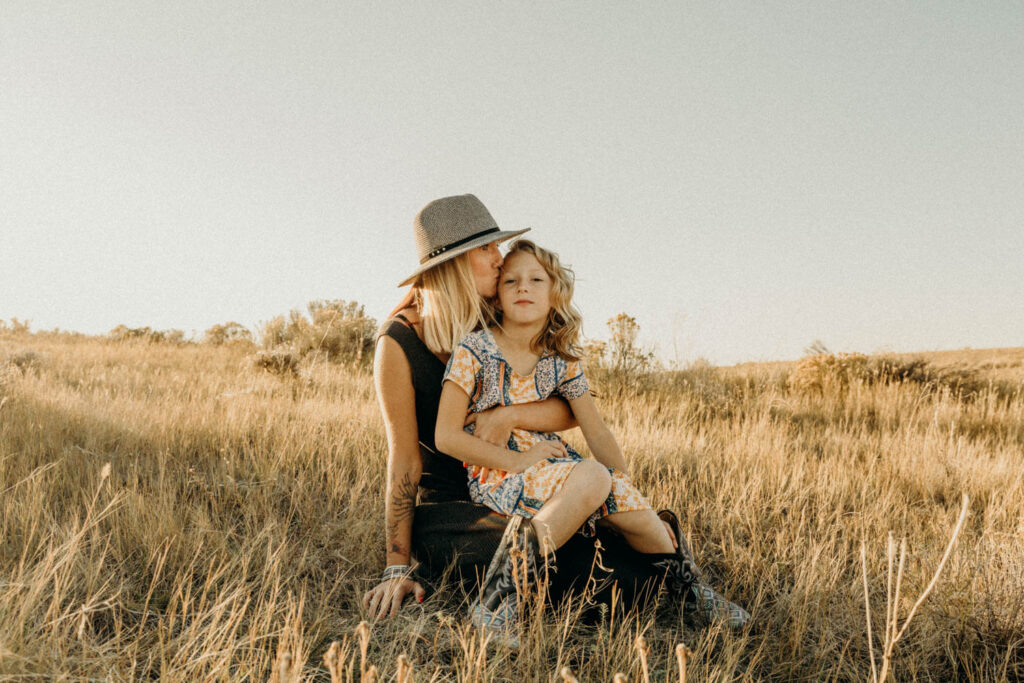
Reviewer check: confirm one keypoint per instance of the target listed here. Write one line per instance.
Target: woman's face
(485, 262)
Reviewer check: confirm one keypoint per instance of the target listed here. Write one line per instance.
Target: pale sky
(744, 178)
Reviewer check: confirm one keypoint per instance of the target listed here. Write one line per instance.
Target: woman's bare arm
(393, 380)
(550, 415)
(496, 425)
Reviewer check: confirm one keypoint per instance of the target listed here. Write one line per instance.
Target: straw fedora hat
(450, 226)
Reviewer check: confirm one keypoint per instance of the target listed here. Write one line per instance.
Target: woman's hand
(540, 451)
(493, 425)
(386, 597)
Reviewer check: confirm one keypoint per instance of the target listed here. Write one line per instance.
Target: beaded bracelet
(395, 571)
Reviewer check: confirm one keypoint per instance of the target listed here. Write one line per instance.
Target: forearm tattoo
(403, 506)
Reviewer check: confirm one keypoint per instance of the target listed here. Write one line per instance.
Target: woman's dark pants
(468, 534)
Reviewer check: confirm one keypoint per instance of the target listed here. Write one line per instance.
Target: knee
(597, 478)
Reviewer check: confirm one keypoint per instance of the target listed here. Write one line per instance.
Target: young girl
(530, 356)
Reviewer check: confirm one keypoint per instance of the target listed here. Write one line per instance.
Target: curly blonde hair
(561, 335)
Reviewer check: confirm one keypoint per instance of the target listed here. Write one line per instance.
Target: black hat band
(458, 243)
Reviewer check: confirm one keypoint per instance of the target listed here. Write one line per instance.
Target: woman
(457, 240)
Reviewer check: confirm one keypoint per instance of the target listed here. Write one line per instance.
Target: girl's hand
(541, 451)
(386, 597)
(671, 534)
(493, 425)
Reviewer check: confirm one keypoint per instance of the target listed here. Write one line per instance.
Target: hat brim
(500, 236)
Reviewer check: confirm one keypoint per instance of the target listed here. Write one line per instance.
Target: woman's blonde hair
(564, 328)
(449, 306)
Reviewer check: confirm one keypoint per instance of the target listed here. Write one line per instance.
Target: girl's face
(485, 262)
(525, 289)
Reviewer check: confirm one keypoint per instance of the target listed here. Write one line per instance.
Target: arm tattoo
(403, 506)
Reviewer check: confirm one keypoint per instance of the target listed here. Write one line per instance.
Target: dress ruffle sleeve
(572, 383)
(463, 367)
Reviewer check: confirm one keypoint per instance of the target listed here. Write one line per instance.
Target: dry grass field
(173, 512)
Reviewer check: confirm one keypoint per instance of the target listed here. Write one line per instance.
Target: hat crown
(449, 220)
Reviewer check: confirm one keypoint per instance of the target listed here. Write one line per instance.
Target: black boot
(516, 565)
(686, 579)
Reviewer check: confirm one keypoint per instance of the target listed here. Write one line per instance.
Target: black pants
(468, 535)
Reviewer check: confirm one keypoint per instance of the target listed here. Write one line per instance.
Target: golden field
(240, 520)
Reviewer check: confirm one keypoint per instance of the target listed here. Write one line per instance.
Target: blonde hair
(564, 328)
(449, 306)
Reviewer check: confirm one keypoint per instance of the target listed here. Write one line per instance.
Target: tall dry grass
(174, 512)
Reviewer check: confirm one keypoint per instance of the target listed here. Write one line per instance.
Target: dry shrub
(824, 372)
(281, 362)
(17, 365)
(25, 360)
(123, 333)
(701, 379)
(621, 363)
(8, 376)
(963, 382)
(14, 326)
(228, 333)
(625, 355)
(337, 330)
(594, 352)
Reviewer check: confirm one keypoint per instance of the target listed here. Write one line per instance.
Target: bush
(123, 333)
(830, 371)
(228, 333)
(827, 371)
(15, 326)
(17, 365)
(621, 362)
(594, 352)
(25, 360)
(277, 362)
(625, 356)
(960, 381)
(338, 330)
(703, 381)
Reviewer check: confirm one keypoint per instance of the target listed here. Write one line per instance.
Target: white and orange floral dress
(479, 368)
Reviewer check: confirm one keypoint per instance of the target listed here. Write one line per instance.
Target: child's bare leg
(642, 529)
(585, 490)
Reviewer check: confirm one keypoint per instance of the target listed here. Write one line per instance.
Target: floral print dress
(479, 368)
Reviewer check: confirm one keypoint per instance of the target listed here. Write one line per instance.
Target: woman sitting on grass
(427, 509)
(530, 356)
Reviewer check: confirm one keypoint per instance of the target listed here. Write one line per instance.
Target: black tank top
(444, 477)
